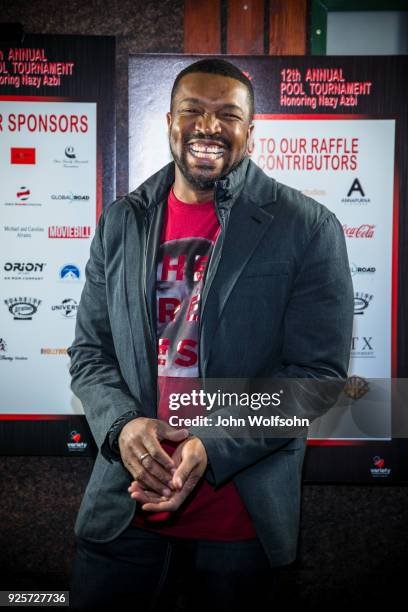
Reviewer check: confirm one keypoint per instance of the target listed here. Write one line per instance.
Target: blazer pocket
(266, 268)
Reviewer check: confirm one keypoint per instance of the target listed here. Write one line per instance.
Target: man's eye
(190, 110)
(230, 116)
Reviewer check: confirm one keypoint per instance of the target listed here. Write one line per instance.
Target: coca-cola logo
(361, 231)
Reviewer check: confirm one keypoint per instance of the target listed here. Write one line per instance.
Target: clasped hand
(161, 483)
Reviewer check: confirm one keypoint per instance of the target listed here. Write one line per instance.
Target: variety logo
(356, 387)
(3, 353)
(362, 231)
(70, 197)
(24, 231)
(379, 470)
(362, 346)
(22, 308)
(351, 198)
(76, 444)
(23, 270)
(69, 273)
(23, 195)
(70, 159)
(361, 302)
(361, 269)
(67, 309)
(69, 231)
(22, 155)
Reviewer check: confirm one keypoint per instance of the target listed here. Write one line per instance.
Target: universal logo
(67, 309)
(76, 444)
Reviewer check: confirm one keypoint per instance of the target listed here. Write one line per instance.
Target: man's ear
(250, 138)
(168, 117)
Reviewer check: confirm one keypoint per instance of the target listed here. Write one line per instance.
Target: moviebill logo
(69, 231)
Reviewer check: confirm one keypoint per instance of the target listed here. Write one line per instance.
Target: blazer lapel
(246, 226)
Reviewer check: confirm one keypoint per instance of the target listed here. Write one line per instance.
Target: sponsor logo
(5, 357)
(22, 155)
(356, 387)
(67, 309)
(23, 195)
(70, 197)
(356, 195)
(24, 231)
(22, 308)
(361, 269)
(69, 273)
(362, 346)
(361, 302)
(75, 443)
(314, 193)
(70, 152)
(70, 159)
(23, 270)
(379, 471)
(53, 351)
(361, 231)
(69, 231)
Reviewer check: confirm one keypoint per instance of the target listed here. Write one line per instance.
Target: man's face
(209, 126)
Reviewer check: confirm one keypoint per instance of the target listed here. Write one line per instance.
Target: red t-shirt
(188, 235)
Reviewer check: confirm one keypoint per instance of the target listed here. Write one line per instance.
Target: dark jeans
(142, 571)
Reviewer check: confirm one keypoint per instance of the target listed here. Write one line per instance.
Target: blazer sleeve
(95, 376)
(316, 344)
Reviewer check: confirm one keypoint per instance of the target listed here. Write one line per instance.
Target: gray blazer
(278, 286)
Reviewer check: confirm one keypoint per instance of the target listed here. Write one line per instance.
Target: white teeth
(212, 152)
(203, 149)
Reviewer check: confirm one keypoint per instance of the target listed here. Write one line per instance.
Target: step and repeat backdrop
(331, 127)
(56, 172)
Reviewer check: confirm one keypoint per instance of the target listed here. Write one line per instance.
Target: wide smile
(206, 152)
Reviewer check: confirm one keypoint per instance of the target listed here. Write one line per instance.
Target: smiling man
(210, 269)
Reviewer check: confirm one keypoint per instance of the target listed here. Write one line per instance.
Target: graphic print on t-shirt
(180, 273)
